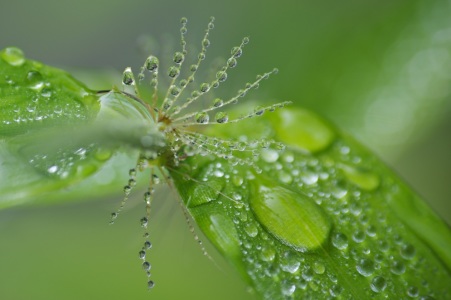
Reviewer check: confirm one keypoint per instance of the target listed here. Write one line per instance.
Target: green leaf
(55, 133)
(322, 218)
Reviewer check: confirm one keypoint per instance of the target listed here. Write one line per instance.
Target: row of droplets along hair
(179, 128)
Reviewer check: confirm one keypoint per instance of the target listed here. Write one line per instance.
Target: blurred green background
(380, 70)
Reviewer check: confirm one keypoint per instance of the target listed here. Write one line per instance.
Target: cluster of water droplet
(365, 243)
(43, 96)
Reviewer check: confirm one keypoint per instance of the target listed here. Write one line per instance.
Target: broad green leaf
(322, 218)
(55, 132)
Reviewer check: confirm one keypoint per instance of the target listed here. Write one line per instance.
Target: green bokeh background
(380, 70)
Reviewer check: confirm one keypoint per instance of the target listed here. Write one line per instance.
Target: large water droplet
(313, 136)
(398, 267)
(360, 177)
(13, 56)
(408, 251)
(291, 217)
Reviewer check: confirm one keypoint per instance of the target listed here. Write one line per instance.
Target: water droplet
(174, 90)
(398, 267)
(412, 291)
(315, 134)
(360, 177)
(206, 43)
(259, 110)
(218, 102)
(285, 177)
(173, 72)
(179, 58)
(13, 56)
(289, 262)
(221, 76)
(335, 290)
(237, 180)
(147, 245)
(365, 267)
(358, 236)
(378, 284)
(221, 117)
(251, 230)
(202, 118)
(294, 219)
(269, 155)
(231, 62)
(35, 79)
(52, 169)
(146, 266)
(236, 51)
(127, 77)
(340, 241)
(204, 87)
(288, 288)
(127, 190)
(152, 63)
(268, 253)
(142, 254)
(46, 92)
(319, 267)
(408, 251)
(150, 284)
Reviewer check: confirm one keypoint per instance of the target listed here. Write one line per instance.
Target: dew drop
(173, 72)
(365, 267)
(221, 117)
(268, 254)
(218, 102)
(335, 290)
(221, 76)
(319, 267)
(142, 254)
(340, 241)
(231, 62)
(408, 251)
(259, 110)
(146, 266)
(35, 79)
(251, 230)
(127, 77)
(236, 51)
(147, 245)
(412, 291)
(13, 56)
(174, 90)
(291, 217)
(289, 263)
(358, 236)
(150, 284)
(378, 284)
(269, 155)
(398, 267)
(285, 177)
(204, 87)
(178, 58)
(202, 118)
(206, 43)
(288, 288)
(152, 63)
